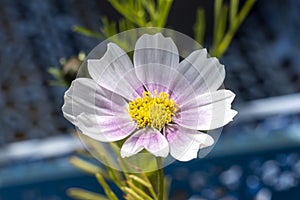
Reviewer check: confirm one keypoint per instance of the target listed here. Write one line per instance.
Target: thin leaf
(140, 180)
(164, 8)
(217, 18)
(138, 191)
(87, 32)
(128, 12)
(245, 10)
(55, 72)
(81, 194)
(138, 5)
(108, 28)
(222, 23)
(85, 165)
(128, 197)
(234, 6)
(199, 26)
(150, 7)
(232, 30)
(110, 194)
(58, 83)
(132, 193)
(115, 175)
(145, 182)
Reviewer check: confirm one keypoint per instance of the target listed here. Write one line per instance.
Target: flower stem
(160, 179)
(223, 45)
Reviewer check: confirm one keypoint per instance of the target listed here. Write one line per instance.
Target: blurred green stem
(160, 179)
(219, 49)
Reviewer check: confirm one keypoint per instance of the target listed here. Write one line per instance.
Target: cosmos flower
(156, 103)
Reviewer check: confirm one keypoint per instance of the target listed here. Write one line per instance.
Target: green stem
(233, 28)
(160, 179)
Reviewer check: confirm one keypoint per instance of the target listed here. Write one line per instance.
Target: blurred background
(256, 157)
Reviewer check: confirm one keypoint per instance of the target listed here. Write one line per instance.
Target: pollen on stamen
(152, 110)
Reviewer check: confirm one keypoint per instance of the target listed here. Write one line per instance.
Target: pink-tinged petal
(115, 72)
(180, 88)
(155, 57)
(105, 128)
(206, 112)
(150, 49)
(165, 79)
(185, 143)
(86, 96)
(155, 77)
(204, 74)
(147, 138)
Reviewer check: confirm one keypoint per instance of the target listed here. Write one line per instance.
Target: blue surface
(233, 177)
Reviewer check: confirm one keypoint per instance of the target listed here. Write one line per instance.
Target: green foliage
(87, 32)
(136, 14)
(80, 194)
(136, 186)
(143, 13)
(227, 20)
(85, 165)
(199, 26)
(154, 13)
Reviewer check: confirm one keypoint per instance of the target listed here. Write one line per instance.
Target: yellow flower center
(152, 110)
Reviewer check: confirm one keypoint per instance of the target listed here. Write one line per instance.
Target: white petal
(204, 74)
(206, 112)
(150, 139)
(105, 128)
(156, 60)
(157, 49)
(86, 96)
(110, 70)
(185, 143)
(165, 79)
(155, 77)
